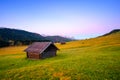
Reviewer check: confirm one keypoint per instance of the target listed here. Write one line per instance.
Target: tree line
(19, 42)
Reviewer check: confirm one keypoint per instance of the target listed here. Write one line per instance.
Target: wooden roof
(39, 47)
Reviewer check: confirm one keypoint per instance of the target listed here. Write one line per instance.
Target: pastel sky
(72, 18)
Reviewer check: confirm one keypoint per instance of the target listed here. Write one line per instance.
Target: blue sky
(73, 18)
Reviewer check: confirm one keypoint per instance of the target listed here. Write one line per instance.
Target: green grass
(93, 59)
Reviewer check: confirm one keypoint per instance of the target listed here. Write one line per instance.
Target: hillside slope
(112, 32)
(91, 59)
(7, 34)
(111, 39)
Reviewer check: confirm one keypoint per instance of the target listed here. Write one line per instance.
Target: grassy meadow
(90, 59)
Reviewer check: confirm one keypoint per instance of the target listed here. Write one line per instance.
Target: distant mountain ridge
(7, 34)
(112, 32)
(14, 34)
(58, 38)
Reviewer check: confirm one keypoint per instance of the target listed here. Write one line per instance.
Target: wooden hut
(62, 43)
(40, 50)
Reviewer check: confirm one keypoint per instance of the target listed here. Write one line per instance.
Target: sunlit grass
(113, 39)
(93, 59)
(12, 50)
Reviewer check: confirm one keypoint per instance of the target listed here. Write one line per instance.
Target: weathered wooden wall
(49, 52)
(33, 55)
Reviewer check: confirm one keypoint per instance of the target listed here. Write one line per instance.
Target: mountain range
(7, 34)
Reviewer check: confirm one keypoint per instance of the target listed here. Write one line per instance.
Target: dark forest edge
(15, 37)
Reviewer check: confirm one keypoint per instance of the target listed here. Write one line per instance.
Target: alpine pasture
(90, 59)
